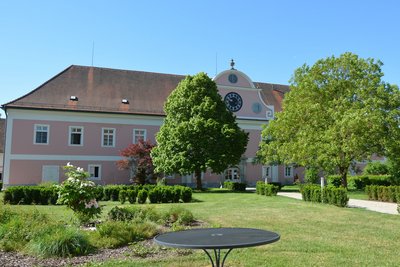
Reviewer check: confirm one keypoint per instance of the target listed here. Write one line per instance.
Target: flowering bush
(79, 194)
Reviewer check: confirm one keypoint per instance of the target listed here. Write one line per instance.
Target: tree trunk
(343, 174)
(197, 173)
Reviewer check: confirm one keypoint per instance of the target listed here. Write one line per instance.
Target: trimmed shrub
(176, 194)
(122, 196)
(27, 195)
(166, 194)
(260, 187)
(142, 196)
(155, 195)
(235, 186)
(271, 189)
(186, 194)
(278, 184)
(383, 193)
(330, 194)
(131, 194)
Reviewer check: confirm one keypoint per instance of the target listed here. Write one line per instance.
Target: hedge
(330, 194)
(360, 181)
(383, 193)
(39, 195)
(269, 189)
(44, 195)
(235, 186)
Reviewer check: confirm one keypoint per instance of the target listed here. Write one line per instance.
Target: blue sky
(267, 39)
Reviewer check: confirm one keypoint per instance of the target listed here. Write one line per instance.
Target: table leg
(217, 256)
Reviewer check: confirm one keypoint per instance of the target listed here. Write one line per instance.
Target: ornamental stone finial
(232, 64)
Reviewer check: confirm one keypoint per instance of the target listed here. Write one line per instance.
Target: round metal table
(216, 239)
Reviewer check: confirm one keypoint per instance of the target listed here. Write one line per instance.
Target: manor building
(87, 115)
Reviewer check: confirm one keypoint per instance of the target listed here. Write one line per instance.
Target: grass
(311, 234)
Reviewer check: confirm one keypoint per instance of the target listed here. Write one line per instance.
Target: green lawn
(311, 234)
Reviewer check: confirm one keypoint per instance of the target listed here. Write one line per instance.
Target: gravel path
(382, 207)
(14, 259)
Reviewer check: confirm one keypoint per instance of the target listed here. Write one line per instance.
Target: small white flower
(69, 164)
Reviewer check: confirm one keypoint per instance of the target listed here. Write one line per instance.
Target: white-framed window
(232, 174)
(76, 136)
(139, 134)
(288, 171)
(50, 173)
(94, 171)
(266, 171)
(41, 135)
(108, 137)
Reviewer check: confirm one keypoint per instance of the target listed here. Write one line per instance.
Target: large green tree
(338, 111)
(198, 133)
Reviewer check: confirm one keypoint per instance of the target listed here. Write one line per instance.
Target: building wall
(25, 160)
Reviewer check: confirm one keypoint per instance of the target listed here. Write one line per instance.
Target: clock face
(233, 101)
(232, 78)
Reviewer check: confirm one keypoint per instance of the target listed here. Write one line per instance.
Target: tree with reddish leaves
(138, 161)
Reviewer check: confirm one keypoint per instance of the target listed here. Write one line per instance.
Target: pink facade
(40, 142)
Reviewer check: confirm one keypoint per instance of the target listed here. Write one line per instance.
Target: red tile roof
(102, 90)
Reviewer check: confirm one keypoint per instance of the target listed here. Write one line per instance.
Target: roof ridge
(3, 106)
(125, 70)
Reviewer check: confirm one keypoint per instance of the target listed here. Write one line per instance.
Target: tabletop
(217, 238)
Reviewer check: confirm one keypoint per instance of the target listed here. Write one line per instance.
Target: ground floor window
(50, 173)
(94, 171)
(288, 171)
(232, 174)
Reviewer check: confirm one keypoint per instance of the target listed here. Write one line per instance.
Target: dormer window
(73, 98)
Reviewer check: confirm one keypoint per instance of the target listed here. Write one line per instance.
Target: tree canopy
(198, 133)
(338, 111)
(138, 161)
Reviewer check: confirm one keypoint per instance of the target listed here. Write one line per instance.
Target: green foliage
(131, 194)
(271, 190)
(179, 215)
(27, 195)
(142, 196)
(60, 241)
(311, 175)
(18, 228)
(122, 196)
(113, 234)
(361, 181)
(235, 186)
(268, 189)
(335, 180)
(376, 168)
(383, 193)
(186, 194)
(260, 187)
(79, 194)
(198, 131)
(337, 111)
(330, 194)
